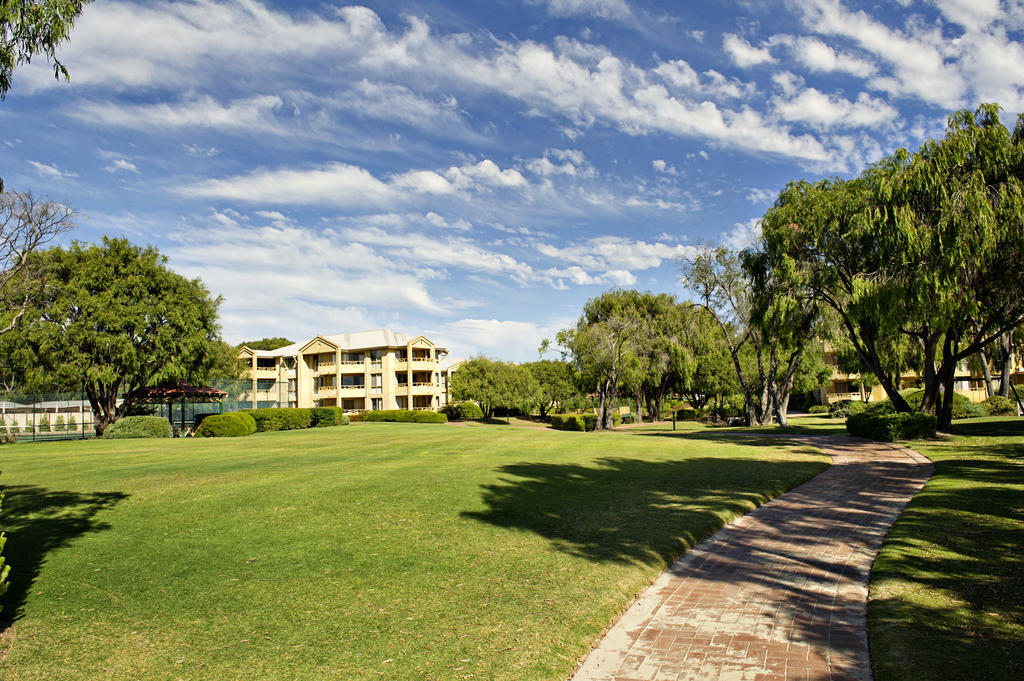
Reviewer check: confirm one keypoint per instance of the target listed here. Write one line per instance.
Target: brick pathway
(778, 595)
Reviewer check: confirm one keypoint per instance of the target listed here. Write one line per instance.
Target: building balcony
(401, 365)
(423, 364)
(326, 391)
(266, 372)
(352, 390)
(424, 388)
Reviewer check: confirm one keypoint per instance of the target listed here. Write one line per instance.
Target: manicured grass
(947, 589)
(400, 551)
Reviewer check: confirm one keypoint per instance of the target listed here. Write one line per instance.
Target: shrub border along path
(780, 593)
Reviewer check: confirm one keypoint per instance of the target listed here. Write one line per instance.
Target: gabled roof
(357, 340)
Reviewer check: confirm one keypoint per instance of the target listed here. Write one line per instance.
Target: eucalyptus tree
(556, 383)
(715, 275)
(32, 27)
(603, 345)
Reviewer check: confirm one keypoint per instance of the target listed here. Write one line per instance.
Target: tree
(32, 27)
(26, 225)
(266, 343)
(925, 247)
(556, 381)
(495, 385)
(115, 319)
(603, 346)
(713, 376)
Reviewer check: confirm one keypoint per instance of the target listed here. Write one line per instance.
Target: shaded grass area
(400, 551)
(947, 589)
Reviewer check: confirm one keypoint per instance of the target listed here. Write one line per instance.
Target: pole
(673, 419)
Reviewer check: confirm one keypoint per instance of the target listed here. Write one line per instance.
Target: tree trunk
(947, 376)
(1006, 372)
(785, 389)
(639, 407)
(930, 402)
(983, 358)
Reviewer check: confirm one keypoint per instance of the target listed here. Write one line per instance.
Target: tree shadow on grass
(627, 510)
(957, 552)
(38, 521)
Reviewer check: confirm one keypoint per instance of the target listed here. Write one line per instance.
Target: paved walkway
(778, 595)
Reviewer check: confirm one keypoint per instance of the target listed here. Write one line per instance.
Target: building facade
(377, 369)
(970, 384)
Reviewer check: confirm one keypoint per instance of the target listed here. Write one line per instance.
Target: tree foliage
(557, 383)
(266, 343)
(496, 385)
(115, 319)
(925, 247)
(32, 27)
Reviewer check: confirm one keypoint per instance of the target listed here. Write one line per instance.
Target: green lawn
(947, 589)
(400, 551)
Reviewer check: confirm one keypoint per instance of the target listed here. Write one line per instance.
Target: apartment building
(844, 386)
(377, 369)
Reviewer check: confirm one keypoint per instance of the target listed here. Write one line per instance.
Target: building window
(265, 384)
(376, 403)
(376, 381)
(353, 381)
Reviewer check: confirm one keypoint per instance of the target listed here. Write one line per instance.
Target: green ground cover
(947, 589)
(400, 551)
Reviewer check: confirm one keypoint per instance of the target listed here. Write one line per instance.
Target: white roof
(357, 340)
(448, 362)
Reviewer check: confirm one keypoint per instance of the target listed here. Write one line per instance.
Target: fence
(53, 416)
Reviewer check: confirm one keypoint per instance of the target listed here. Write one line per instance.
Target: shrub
(817, 409)
(138, 426)
(72, 423)
(886, 427)
(997, 405)
(462, 410)
(58, 425)
(43, 425)
(235, 424)
(575, 422)
(405, 416)
(279, 418)
(963, 408)
(322, 417)
(845, 408)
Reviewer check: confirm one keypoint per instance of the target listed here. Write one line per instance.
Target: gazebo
(182, 393)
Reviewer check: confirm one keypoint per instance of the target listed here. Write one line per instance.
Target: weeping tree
(927, 247)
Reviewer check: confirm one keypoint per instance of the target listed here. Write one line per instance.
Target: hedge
(817, 409)
(885, 427)
(236, 424)
(322, 417)
(577, 422)
(138, 426)
(279, 418)
(404, 416)
(462, 410)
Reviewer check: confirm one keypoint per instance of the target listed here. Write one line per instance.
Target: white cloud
(761, 195)
(743, 53)
(51, 171)
(252, 115)
(605, 9)
(507, 340)
(485, 172)
(815, 55)
(824, 111)
(742, 235)
(613, 253)
(663, 166)
(121, 164)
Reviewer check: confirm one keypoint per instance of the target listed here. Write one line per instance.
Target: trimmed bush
(279, 418)
(43, 426)
(845, 408)
(818, 409)
(997, 405)
(462, 410)
(72, 423)
(322, 417)
(885, 427)
(404, 416)
(138, 426)
(575, 422)
(235, 424)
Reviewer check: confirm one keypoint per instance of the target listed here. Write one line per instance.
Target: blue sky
(475, 171)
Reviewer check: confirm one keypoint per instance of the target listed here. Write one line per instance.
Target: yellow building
(377, 369)
(850, 387)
